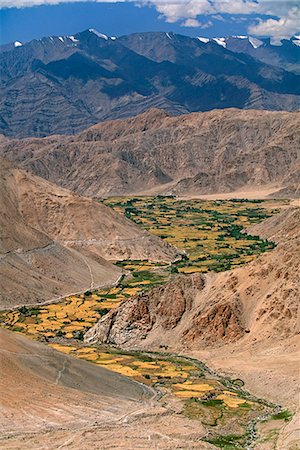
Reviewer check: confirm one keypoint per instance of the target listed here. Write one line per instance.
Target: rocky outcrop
(256, 303)
(171, 309)
(162, 309)
(220, 322)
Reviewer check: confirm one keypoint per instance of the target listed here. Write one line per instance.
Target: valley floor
(127, 414)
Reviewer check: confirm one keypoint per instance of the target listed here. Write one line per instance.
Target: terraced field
(72, 317)
(219, 404)
(210, 234)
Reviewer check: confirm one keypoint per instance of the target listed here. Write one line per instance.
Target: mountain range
(64, 84)
(198, 153)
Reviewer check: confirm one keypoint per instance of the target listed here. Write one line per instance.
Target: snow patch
(256, 43)
(61, 38)
(18, 44)
(221, 41)
(100, 35)
(73, 39)
(168, 36)
(203, 39)
(296, 42)
(113, 38)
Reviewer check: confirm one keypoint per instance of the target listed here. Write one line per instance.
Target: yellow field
(182, 379)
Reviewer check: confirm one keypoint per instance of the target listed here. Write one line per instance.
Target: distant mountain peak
(73, 39)
(255, 42)
(296, 40)
(107, 79)
(18, 44)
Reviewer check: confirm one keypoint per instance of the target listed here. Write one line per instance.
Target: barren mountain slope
(60, 383)
(216, 151)
(233, 319)
(51, 400)
(39, 220)
(83, 223)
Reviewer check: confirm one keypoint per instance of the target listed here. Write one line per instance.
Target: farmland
(186, 385)
(211, 237)
(210, 234)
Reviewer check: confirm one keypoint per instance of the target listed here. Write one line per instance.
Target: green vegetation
(211, 237)
(282, 415)
(209, 232)
(229, 441)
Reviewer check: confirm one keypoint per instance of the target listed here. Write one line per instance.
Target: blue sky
(23, 20)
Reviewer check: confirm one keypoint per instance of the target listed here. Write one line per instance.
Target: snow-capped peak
(296, 42)
(73, 39)
(220, 41)
(100, 35)
(18, 44)
(256, 43)
(203, 39)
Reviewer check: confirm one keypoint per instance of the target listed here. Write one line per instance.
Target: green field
(209, 232)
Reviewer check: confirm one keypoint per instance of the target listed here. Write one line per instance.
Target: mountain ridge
(86, 78)
(219, 151)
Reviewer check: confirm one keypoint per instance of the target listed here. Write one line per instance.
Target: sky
(23, 20)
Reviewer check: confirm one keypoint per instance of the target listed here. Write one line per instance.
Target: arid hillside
(232, 319)
(63, 383)
(53, 242)
(199, 153)
(58, 401)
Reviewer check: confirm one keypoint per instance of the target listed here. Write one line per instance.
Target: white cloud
(285, 20)
(283, 27)
(193, 23)
(286, 23)
(29, 3)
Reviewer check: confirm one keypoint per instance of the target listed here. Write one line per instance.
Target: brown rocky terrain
(243, 321)
(54, 242)
(52, 400)
(199, 153)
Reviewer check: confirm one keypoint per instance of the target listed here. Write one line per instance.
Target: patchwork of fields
(211, 235)
(219, 403)
(210, 232)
